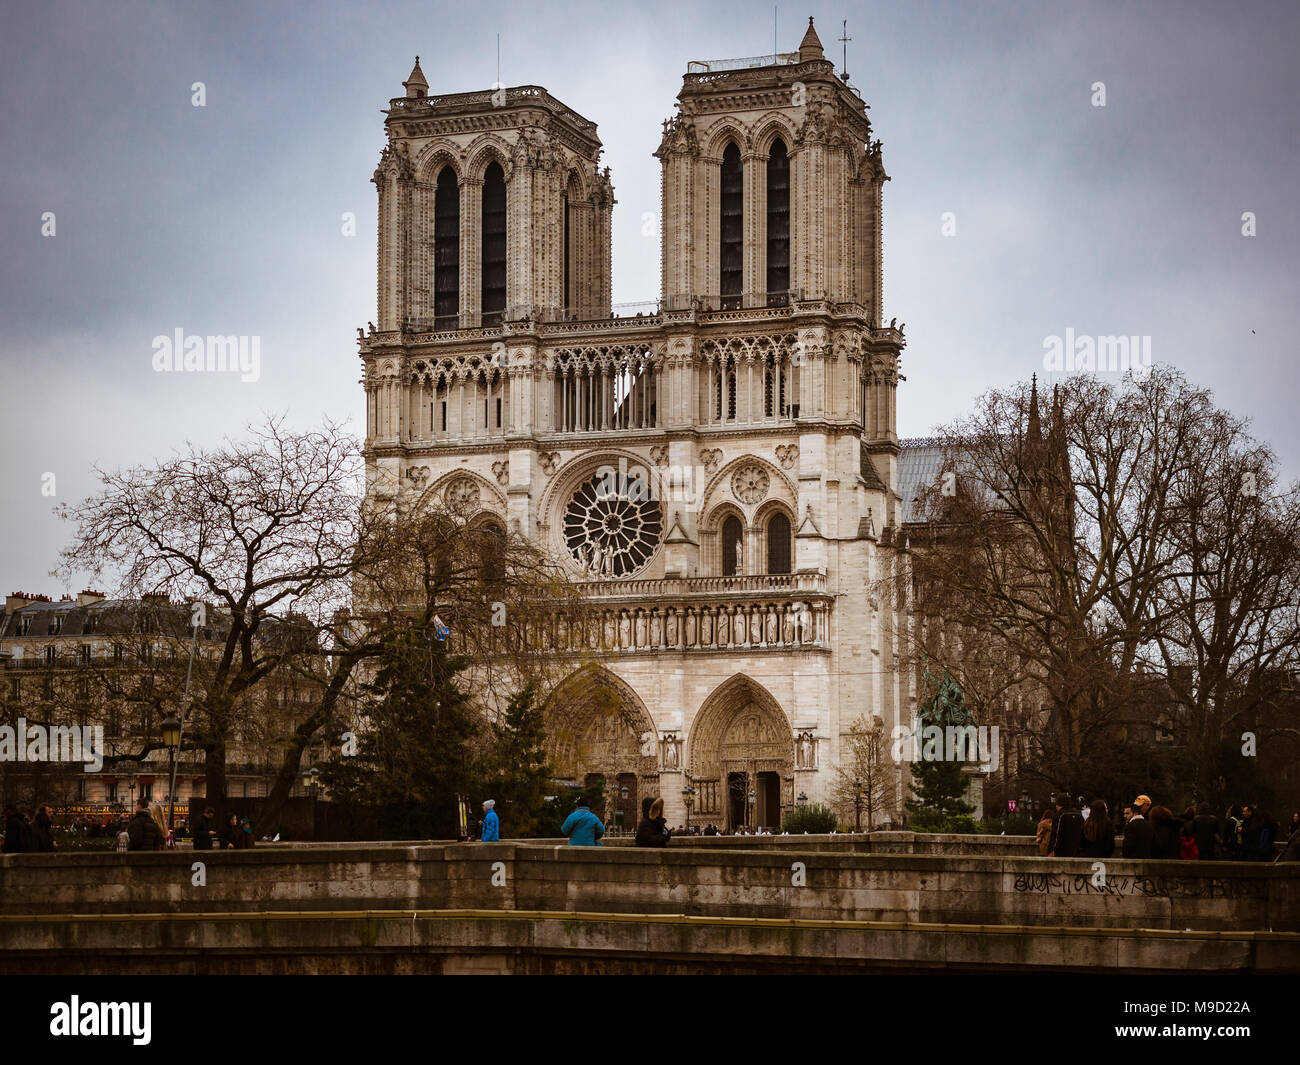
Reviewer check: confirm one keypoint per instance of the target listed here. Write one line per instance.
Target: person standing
(1138, 833)
(18, 832)
(1164, 826)
(1045, 826)
(582, 826)
(43, 829)
(1068, 830)
(143, 831)
(652, 831)
(491, 823)
(230, 834)
(205, 830)
(1205, 830)
(1267, 837)
(1098, 833)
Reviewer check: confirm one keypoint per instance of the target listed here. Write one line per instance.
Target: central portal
(741, 758)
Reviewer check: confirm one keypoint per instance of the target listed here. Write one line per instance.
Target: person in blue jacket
(583, 827)
(491, 823)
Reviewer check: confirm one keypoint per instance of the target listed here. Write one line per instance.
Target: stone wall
(805, 885)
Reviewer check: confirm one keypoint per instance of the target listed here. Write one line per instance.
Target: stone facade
(720, 471)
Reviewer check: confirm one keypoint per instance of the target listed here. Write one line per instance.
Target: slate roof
(920, 464)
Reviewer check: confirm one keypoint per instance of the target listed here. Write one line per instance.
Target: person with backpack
(143, 831)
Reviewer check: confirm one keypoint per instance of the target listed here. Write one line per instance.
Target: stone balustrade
(756, 623)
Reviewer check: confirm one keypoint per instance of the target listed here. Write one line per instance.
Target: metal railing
(716, 66)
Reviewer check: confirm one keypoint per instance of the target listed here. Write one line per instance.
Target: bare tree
(261, 529)
(864, 781)
(1077, 558)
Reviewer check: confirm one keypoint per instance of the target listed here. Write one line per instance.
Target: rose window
(612, 530)
(750, 484)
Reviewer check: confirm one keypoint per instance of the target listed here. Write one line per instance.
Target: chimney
(18, 600)
(87, 596)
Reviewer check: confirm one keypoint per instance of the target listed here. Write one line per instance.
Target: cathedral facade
(719, 472)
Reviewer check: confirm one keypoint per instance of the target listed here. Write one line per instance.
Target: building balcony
(693, 588)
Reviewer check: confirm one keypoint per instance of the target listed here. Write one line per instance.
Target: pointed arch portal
(741, 742)
(598, 728)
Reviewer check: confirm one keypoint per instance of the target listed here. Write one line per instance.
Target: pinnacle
(811, 45)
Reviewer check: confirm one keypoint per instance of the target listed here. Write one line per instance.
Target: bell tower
(771, 185)
(492, 207)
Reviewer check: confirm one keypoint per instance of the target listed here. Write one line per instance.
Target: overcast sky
(226, 218)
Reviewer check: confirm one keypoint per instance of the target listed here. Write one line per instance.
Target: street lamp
(802, 801)
(171, 735)
(857, 805)
(311, 781)
(688, 797)
(753, 798)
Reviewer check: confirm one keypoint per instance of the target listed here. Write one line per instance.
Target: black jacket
(1205, 830)
(1101, 847)
(202, 841)
(143, 833)
(653, 833)
(1165, 842)
(1066, 834)
(1138, 837)
(18, 835)
(43, 833)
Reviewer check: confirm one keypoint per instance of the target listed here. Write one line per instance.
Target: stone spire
(810, 47)
(416, 85)
(1034, 435)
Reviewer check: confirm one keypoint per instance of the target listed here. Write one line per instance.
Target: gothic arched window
(778, 543)
(446, 251)
(493, 291)
(732, 254)
(491, 552)
(778, 225)
(732, 532)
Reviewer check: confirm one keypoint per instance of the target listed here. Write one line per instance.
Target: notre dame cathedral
(738, 630)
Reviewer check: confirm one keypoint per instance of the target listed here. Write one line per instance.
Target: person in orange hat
(1139, 833)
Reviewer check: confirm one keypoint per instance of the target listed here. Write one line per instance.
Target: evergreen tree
(516, 772)
(940, 784)
(418, 751)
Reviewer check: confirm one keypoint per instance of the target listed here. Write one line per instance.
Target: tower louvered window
(493, 293)
(446, 251)
(778, 544)
(778, 226)
(733, 222)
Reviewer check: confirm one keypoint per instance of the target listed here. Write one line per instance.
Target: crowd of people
(146, 830)
(1076, 829)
